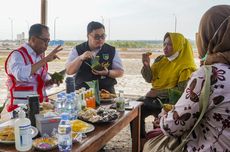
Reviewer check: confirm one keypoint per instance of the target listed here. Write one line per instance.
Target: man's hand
(53, 55)
(50, 57)
(86, 55)
(102, 73)
(52, 82)
(145, 59)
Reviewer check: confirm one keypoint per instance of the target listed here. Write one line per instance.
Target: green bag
(163, 143)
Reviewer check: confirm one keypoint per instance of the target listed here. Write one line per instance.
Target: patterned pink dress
(213, 132)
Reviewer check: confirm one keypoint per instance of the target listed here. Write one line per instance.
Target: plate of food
(101, 115)
(106, 96)
(7, 132)
(79, 126)
(45, 143)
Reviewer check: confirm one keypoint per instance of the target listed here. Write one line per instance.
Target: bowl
(45, 143)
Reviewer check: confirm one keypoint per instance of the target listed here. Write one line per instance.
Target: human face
(96, 38)
(40, 43)
(168, 47)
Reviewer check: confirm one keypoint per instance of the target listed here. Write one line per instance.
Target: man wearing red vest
(26, 67)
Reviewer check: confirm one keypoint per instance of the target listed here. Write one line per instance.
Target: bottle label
(64, 136)
(25, 135)
(65, 139)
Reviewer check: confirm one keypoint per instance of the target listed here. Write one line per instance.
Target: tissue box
(45, 125)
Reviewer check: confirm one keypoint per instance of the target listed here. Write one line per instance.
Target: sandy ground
(132, 83)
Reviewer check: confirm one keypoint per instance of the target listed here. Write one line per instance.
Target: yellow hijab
(167, 74)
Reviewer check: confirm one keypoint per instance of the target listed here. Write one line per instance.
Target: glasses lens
(98, 37)
(44, 39)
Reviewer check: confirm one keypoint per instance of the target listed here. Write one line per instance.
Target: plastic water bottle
(22, 130)
(69, 107)
(59, 102)
(64, 134)
(82, 100)
(78, 102)
(75, 101)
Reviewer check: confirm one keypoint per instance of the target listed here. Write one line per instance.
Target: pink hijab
(214, 35)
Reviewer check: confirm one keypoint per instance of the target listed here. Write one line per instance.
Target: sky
(123, 19)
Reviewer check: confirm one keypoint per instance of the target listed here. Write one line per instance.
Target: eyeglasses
(45, 40)
(98, 37)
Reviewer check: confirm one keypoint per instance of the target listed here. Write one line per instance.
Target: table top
(96, 139)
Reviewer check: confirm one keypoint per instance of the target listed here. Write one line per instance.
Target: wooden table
(104, 132)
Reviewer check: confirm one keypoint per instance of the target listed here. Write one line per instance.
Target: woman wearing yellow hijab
(169, 71)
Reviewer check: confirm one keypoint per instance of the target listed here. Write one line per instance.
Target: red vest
(18, 92)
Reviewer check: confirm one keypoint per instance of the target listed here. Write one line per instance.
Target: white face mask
(174, 56)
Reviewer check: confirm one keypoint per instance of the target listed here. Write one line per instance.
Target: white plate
(109, 100)
(34, 131)
(89, 129)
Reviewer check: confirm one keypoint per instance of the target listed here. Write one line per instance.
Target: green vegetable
(96, 65)
(57, 76)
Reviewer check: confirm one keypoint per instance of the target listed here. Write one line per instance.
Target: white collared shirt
(117, 64)
(20, 70)
(174, 56)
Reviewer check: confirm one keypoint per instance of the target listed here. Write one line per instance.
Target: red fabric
(24, 88)
(11, 106)
(13, 87)
(25, 51)
(40, 87)
(40, 81)
(9, 57)
(153, 133)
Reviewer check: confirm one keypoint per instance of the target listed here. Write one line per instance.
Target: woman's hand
(156, 123)
(146, 59)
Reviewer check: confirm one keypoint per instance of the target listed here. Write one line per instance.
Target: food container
(46, 125)
(70, 84)
(33, 108)
(120, 104)
(45, 143)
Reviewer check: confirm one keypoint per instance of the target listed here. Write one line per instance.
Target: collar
(31, 51)
(174, 56)
(95, 51)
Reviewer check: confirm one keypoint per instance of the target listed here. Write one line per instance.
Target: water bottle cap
(72, 94)
(59, 95)
(63, 93)
(121, 91)
(68, 96)
(21, 112)
(64, 116)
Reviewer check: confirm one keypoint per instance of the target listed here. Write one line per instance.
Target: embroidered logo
(105, 56)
